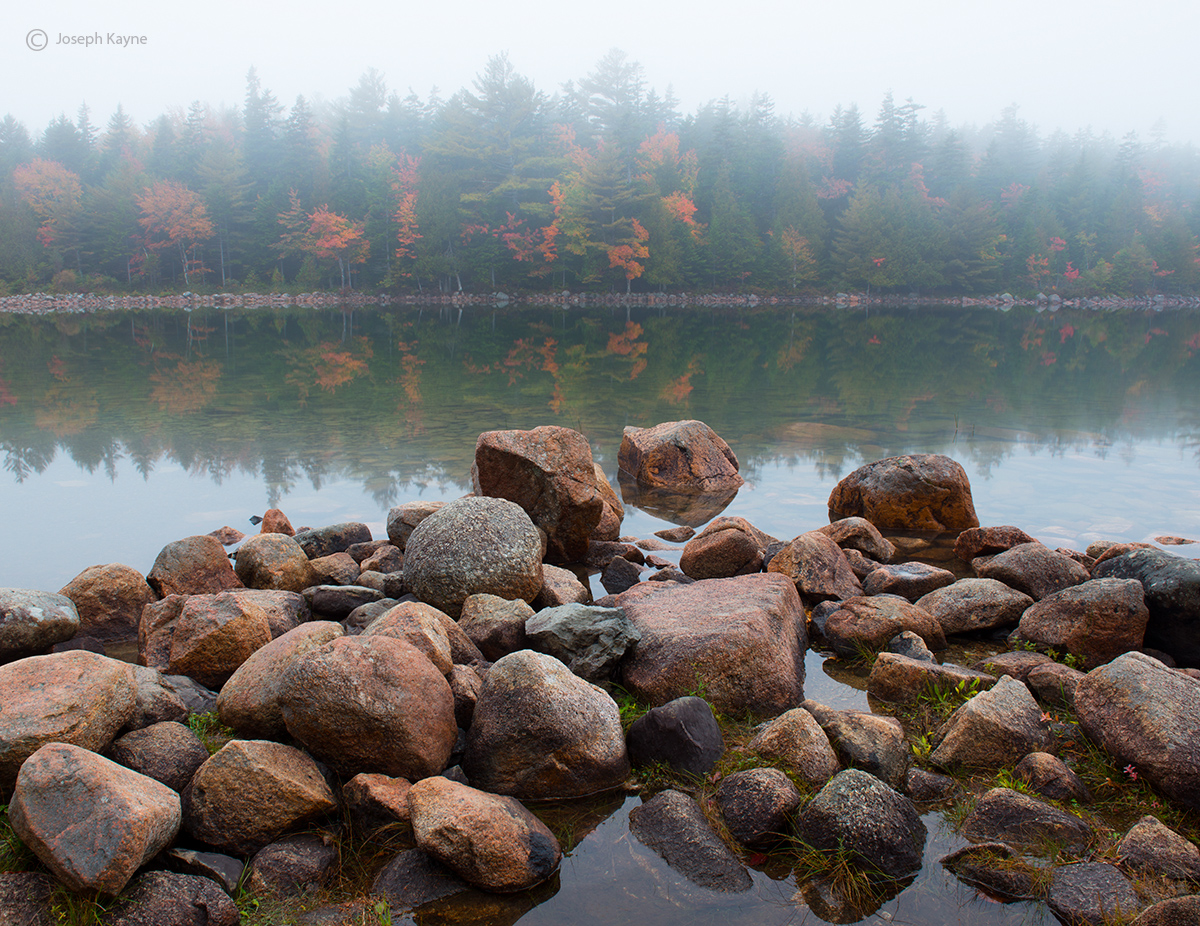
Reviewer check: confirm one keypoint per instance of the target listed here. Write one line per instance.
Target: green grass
(212, 733)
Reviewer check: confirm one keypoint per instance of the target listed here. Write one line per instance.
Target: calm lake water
(121, 432)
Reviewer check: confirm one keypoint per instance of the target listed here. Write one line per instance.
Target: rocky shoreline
(76, 303)
(430, 685)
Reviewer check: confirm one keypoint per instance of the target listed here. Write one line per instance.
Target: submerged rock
(673, 825)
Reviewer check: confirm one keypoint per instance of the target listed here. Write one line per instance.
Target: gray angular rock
(878, 826)
(673, 825)
(908, 580)
(975, 605)
(1004, 815)
(1091, 892)
(1171, 585)
(588, 639)
(334, 538)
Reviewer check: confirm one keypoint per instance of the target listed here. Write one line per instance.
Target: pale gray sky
(1115, 67)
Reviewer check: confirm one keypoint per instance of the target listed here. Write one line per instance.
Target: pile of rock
(429, 682)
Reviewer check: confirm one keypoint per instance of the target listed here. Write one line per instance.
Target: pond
(121, 432)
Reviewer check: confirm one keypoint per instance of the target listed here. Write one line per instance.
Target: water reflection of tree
(394, 404)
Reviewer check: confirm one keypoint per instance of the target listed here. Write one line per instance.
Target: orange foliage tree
(324, 235)
(55, 195)
(174, 217)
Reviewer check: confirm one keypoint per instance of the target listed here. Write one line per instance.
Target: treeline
(603, 185)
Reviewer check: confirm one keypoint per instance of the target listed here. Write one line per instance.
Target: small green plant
(211, 732)
(71, 909)
(921, 747)
(629, 707)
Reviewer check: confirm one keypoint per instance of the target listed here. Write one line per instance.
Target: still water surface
(121, 432)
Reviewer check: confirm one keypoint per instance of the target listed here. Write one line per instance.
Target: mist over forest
(603, 185)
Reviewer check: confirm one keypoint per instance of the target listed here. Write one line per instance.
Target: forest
(601, 186)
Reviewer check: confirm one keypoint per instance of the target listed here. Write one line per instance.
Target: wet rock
(335, 538)
(413, 878)
(250, 792)
(679, 534)
(908, 580)
(857, 812)
(1171, 585)
(994, 729)
(403, 519)
(1016, 664)
(975, 606)
(31, 622)
(602, 552)
(911, 645)
(1148, 716)
(1098, 620)
(673, 825)
(742, 639)
(900, 680)
(377, 802)
(560, 586)
(926, 787)
(726, 547)
(757, 805)
(860, 565)
(818, 568)
(1151, 848)
(214, 635)
(1054, 684)
(679, 454)
(421, 625)
(866, 741)
(549, 472)
(370, 704)
(164, 898)
(996, 869)
(613, 512)
(1177, 911)
(334, 569)
(1004, 815)
(495, 625)
(90, 821)
(168, 752)
(77, 697)
(1092, 893)
(541, 732)
(224, 870)
(249, 701)
(861, 535)
(589, 640)
(474, 545)
(796, 741)
(682, 733)
(865, 624)
(192, 566)
(292, 865)
(924, 491)
(109, 600)
(1031, 568)
(273, 560)
(1050, 777)
(987, 541)
(620, 575)
(490, 841)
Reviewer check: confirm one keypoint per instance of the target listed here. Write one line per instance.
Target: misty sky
(1071, 64)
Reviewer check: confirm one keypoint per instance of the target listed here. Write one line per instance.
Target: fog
(1071, 64)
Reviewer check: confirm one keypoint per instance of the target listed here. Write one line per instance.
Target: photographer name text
(102, 38)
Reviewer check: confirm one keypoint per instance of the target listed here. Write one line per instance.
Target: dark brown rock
(1031, 568)
(192, 566)
(489, 840)
(901, 679)
(679, 454)
(757, 805)
(549, 472)
(335, 538)
(1151, 848)
(682, 733)
(726, 547)
(1092, 893)
(674, 826)
(1098, 620)
(860, 534)
(818, 568)
(292, 865)
(1050, 777)
(924, 491)
(109, 600)
(742, 639)
(276, 522)
(164, 898)
(168, 752)
(986, 541)
(1004, 815)
(370, 704)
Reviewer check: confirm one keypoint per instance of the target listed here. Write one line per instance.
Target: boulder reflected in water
(691, 509)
